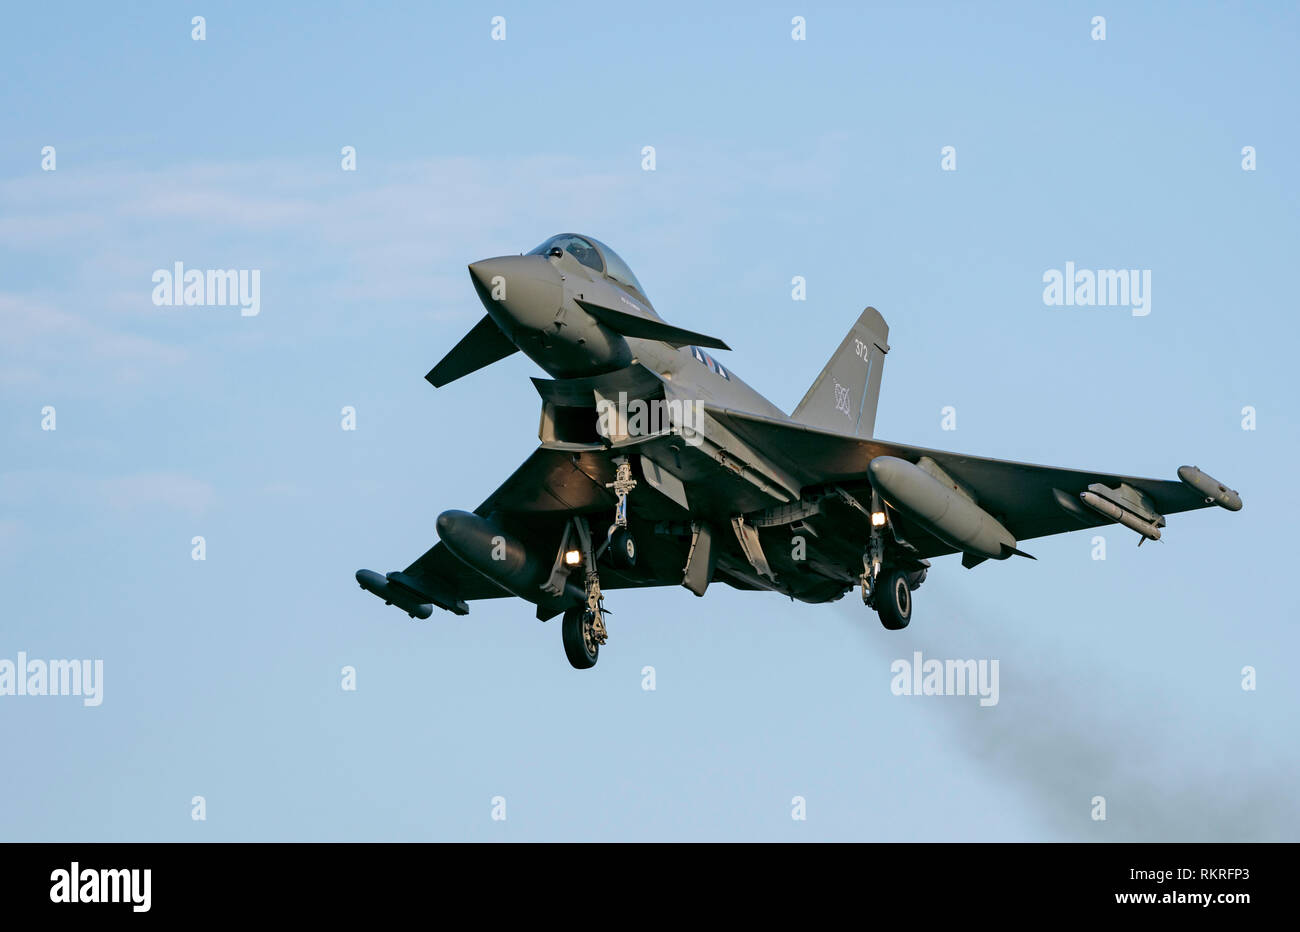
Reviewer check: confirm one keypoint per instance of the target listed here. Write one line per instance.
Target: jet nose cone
(484, 270)
(518, 290)
(489, 272)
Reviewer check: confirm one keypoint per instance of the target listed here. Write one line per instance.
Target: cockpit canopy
(596, 256)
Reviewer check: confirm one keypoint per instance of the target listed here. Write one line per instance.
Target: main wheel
(894, 600)
(622, 549)
(579, 638)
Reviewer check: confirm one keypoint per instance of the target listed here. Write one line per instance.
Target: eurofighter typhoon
(659, 466)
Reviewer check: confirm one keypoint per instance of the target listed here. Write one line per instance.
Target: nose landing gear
(622, 548)
(619, 540)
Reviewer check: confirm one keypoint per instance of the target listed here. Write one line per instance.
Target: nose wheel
(622, 548)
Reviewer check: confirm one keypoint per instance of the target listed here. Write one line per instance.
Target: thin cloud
(124, 494)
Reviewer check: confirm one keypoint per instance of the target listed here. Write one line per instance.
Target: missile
(1108, 509)
(394, 593)
(1213, 490)
(940, 508)
(502, 558)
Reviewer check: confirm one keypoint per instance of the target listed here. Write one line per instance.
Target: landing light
(877, 519)
(573, 557)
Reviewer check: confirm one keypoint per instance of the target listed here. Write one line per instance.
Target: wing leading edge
(1023, 496)
(548, 482)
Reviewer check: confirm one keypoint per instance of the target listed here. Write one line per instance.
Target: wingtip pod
(1213, 490)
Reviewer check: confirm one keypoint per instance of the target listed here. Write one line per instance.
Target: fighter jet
(658, 466)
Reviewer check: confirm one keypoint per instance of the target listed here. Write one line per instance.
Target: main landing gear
(893, 598)
(583, 627)
(889, 591)
(581, 640)
(888, 580)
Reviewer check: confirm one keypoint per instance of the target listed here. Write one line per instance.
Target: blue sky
(775, 158)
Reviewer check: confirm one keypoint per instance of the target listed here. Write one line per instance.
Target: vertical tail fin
(844, 397)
